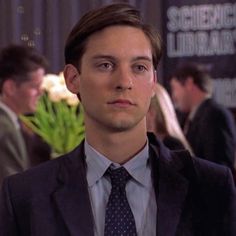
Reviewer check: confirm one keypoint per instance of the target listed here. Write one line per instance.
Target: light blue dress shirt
(139, 190)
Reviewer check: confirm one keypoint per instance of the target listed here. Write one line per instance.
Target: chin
(31, 110)
(122, 125)
(118, 129)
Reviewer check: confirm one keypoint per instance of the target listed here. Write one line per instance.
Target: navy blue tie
(119, 219)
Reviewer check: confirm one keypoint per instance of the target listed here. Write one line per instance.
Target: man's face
(116, 78)
(180, 95)
(27, 94)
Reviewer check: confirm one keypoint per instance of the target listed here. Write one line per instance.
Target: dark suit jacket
(194, 197)
(37, 149)
(13, 154)
(212, 134)
(173, 143)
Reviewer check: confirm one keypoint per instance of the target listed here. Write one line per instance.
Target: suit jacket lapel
(72, 198)
(171, 189)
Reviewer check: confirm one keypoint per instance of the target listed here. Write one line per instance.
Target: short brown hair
(198, 72)
(95, 20)
(16, 61)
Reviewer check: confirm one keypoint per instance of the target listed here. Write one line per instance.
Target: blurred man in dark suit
(209, 127)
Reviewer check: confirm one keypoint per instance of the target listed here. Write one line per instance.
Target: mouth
(121, 103)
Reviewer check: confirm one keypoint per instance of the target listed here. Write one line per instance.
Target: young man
(117, 182)
(21, 74)
(210, 128)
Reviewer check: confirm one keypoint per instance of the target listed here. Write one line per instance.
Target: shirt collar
(12, 115)
(97, 165)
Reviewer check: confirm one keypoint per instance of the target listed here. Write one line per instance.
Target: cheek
(150, 120)
(90, 94)
(184, 96)
(178, 94)
(32, 93)
(29, 92)
(87, 89)
(146, 91)
(86, 83)
(145, 86)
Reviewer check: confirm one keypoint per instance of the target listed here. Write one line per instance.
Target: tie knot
(119, 176)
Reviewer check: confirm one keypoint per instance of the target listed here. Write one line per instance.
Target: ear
(71, 76)
(9, 87)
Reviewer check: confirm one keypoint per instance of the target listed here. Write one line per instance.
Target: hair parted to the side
(198, 72)
(98, 19)
(16, 61)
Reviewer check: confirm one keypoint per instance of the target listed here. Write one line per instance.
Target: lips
(121, 103)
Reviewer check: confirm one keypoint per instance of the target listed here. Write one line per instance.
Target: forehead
(175, 83)
(119, 40)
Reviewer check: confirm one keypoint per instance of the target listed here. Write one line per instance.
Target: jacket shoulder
(203, 173)
(218, 111)
(43, 178)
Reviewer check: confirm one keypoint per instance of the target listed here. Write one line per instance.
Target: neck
(119, 147)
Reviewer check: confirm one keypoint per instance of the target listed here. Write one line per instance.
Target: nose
(123, 79)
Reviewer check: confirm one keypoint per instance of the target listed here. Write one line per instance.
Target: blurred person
(163, 122)
(118, 181)
(209, 127)
(21, 73)
(37, 149)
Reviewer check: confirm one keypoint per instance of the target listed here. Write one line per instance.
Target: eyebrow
(109, 57)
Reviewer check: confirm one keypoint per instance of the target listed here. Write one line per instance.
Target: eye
(140, 68)
(105, 66)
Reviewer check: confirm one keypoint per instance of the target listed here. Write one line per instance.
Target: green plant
(58, 118)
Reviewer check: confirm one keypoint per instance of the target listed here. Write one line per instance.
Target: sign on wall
(204, 32)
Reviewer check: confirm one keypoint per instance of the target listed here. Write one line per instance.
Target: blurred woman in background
(162, 121)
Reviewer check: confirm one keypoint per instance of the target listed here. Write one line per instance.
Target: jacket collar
(171, 187)
(72, 197)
